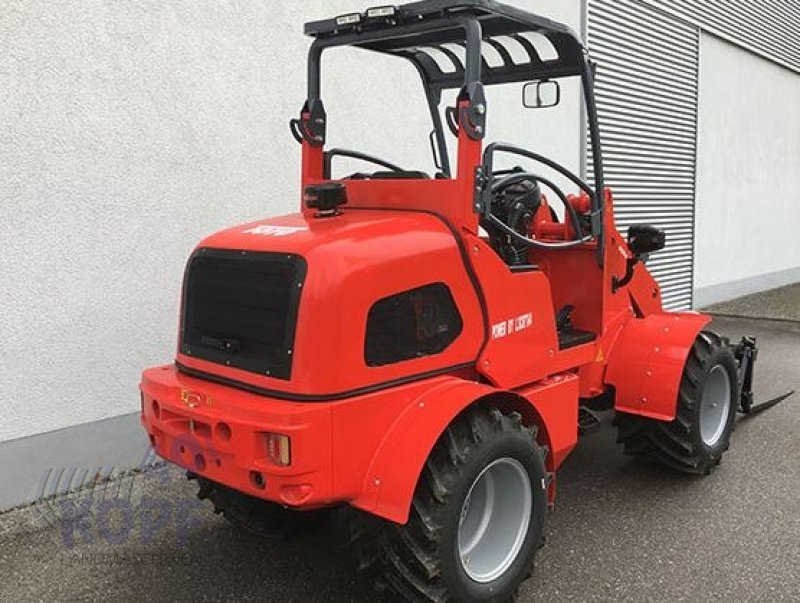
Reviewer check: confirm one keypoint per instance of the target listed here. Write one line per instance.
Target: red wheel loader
(426, 350)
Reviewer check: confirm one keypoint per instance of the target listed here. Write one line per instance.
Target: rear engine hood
(282, 304)
(306, 236)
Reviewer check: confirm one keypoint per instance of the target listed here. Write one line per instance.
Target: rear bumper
(220, 433)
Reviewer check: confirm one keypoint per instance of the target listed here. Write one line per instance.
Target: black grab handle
(294, 128)
(451, 117)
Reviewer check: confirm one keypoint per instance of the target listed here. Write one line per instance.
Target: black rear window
(411, 324)
(240, 309)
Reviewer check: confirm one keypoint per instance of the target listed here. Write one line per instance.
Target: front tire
(477, 516)
(696, 439)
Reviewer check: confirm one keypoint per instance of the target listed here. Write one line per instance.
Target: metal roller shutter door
(646, 92)
(770, 28)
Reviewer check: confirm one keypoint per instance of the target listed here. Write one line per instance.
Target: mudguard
(392, 477)
(646, 363)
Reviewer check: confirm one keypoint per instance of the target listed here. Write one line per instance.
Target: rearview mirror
(540, 95)
(643, 238)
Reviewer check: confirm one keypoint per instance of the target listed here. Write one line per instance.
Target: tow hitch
(746, 353)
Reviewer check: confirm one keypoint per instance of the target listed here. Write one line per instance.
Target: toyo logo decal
(512, 325)
(271, 230)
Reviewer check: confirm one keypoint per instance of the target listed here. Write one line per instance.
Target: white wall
(129, 130)
(748, 172)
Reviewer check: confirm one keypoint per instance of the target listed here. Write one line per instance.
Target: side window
(412, 324)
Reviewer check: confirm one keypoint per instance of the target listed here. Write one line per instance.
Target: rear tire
(260, 517)
(461, 542)
(696, 439)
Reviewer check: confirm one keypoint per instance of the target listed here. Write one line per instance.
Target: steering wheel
(500, 183)
(493, 186)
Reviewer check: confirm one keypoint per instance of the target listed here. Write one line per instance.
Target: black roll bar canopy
(420, 30)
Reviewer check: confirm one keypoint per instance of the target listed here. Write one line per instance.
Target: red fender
(646, 362)
(399, 460)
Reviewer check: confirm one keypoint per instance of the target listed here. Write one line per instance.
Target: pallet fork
(746, 353)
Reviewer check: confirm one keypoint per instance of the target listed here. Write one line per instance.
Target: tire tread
(674, 444)
(407, 559)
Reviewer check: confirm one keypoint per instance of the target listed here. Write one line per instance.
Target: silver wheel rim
(494, 519)
(715, 405)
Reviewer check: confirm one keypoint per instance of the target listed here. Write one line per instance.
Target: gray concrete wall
(37, 467)
(748, 181)
(128, 131)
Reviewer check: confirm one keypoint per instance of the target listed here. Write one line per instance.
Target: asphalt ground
(621, 529)
(782, 303)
